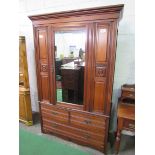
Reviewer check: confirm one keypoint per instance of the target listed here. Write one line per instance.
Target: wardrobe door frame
(71, 26)
(39, 67)
(108, 65)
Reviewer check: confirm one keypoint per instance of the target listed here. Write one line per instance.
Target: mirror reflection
(69, 66)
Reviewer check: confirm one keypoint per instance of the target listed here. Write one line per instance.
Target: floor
(127, 146)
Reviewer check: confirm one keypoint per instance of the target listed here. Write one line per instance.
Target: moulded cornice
(88, 11)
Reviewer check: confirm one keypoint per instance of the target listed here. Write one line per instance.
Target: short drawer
(88, 121)
(129, 124)
(54, 110)
(55, 117)
(128, 94)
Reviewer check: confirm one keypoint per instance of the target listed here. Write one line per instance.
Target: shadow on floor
(36, 117)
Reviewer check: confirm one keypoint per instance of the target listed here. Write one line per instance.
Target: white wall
(125, 57)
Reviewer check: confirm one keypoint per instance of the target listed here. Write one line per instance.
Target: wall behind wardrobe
(125, 57)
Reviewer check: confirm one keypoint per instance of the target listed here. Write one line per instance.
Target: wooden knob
(54, 113)
(87, 121)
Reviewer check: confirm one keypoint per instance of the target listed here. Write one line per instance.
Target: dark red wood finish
(87, 123)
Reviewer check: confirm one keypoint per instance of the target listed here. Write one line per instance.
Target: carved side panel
(42, 55)
(100, 71)
(42, 37)
(99, 96)
(44, 68)
(101, 46)
(100, 63)
(45, 87)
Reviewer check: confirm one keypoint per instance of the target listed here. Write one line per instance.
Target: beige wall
(125, 57)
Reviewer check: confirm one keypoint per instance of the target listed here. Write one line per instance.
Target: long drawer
(87, 138)
(88, 121)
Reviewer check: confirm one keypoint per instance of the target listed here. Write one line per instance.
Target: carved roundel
(100, 71)
(44, 68)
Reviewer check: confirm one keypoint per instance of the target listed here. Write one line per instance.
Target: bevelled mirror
(69, 66)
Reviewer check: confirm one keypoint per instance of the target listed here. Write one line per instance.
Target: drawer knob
(54, 113)
(130, 95)
(131, 125)
(87, 136)
(87, 121)
(54, 125)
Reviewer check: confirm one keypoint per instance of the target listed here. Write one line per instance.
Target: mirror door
(70, 51)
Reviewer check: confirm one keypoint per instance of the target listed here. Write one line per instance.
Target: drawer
(69, 84)
(54, 110)
(73, 133)
(128, 94)
(129, 124)
(88, 121)
(70, 73)
(55, 116)
(70, 77)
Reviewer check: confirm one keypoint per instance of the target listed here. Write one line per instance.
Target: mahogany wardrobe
(75, 61)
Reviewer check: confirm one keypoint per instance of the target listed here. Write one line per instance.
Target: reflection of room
(69, 66)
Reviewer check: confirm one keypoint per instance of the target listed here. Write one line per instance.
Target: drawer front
(69, 84)
(54, 109)
(69, 73)
(87, 121)
(52, 112)
(73, 133)
(129, 124)
(55, 116)
(128, 94)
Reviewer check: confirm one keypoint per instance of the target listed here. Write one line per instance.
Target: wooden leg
(118, 135)
(117, 143)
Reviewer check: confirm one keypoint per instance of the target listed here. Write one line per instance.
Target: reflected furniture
(68, 60)
(58, 64)
(72, 83)
(25, 111)
(87, 123)
(125, 113)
